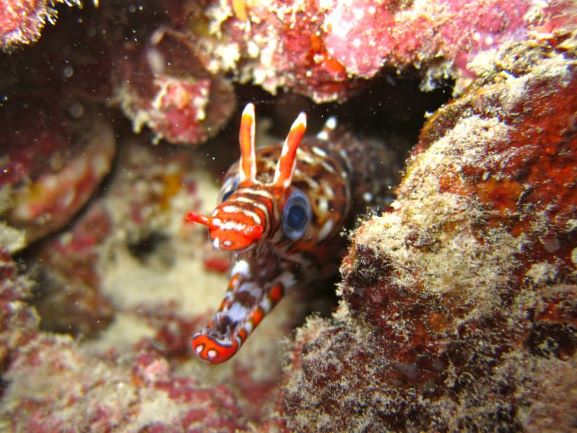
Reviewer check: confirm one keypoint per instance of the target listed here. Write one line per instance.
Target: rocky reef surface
(457, 304)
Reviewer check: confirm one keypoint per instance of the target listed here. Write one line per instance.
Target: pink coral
(324, 49)
(142, 396)
(165, 87)
(21, 21)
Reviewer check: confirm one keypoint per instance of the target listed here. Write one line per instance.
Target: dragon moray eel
(281, 214)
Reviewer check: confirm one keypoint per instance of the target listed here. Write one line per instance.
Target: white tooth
(241, 268)
(318, 151)
(325, 230)
(265, 304)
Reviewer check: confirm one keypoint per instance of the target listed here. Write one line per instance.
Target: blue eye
(230, 186)
(296, 215)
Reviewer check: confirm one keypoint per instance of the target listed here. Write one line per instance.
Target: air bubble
(68, 72)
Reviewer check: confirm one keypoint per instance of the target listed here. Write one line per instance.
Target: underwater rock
(162, 85)
(22, 21)
(327, 49)
(142, 66)
(18, 321)
(69, 267)
(68, 295)
(459, 304)
(51, 170)
(55, 386)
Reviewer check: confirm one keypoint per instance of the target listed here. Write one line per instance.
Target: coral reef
(460, 303)
(154, 75)
(164, 86)
(51, 170)
(133, 395)
(68, 295)
(326, 49)
(22, 21)
(18, 321)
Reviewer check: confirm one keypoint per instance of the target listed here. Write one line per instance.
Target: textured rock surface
(57, 387)
(51, 170)
(460, 303)
(18, 322)
(164, 86)
(22, 21)
(325, 49)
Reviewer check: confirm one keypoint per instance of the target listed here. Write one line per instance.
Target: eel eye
(296, 215)
(230, 186)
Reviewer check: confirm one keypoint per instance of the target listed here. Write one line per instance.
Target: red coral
(305, 55)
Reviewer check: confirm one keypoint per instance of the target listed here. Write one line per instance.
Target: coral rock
(18, 322)
(52, 169)
(166, 88)
(54, 386)
(68, 296)
(22, 21)
(460, 303)
(326, 49)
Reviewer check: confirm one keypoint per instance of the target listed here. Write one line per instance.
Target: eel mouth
(213, 350)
